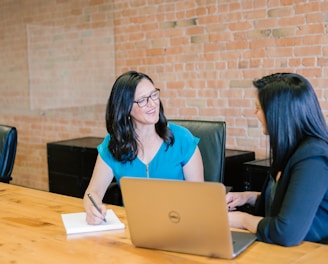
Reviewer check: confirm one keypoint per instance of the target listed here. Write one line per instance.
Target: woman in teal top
(176, 156)
(140, 142)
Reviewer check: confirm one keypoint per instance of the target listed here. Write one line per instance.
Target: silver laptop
(181, 216)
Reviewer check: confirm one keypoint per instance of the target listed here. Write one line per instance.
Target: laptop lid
(180, 216)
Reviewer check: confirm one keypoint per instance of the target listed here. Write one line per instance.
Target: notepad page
(75, 223)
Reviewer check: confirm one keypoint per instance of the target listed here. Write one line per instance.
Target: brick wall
(202, 54)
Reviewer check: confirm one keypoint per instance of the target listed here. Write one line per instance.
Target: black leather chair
(8, 145)
(212, 144)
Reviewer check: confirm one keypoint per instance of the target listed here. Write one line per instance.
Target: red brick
(202, 54)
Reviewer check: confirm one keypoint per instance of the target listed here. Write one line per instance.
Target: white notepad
(75, 223)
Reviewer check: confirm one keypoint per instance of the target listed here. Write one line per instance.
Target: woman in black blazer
(293, 205)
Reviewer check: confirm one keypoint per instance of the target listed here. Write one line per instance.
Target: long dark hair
(292, 112)
(123, 142)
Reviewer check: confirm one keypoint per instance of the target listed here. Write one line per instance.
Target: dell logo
(174, 217)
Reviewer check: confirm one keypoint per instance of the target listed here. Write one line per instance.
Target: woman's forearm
(252, 197)
(243, 220)
(250, 222)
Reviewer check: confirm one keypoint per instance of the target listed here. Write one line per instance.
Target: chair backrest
(212, 144)
(8, 145)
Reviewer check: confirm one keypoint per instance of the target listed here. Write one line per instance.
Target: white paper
(75, 223)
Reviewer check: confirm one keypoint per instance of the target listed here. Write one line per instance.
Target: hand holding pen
(96, 206)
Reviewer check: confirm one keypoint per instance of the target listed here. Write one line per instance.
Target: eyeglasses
(143, 101)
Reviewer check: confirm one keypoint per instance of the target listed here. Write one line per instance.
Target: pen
(95, 205)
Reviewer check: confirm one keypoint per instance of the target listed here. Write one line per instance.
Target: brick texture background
(203, 54)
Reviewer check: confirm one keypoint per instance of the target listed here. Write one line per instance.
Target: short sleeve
(185, 142)
(104, 152)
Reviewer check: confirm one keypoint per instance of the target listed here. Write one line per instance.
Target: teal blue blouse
(166, 164)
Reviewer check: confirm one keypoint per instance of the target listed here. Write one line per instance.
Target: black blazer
(299, 210)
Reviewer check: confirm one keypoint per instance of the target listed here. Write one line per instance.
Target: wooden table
(32, 232)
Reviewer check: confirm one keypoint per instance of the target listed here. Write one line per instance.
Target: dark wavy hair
(292, 112)
(123, 142)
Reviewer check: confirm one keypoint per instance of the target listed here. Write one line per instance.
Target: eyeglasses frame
(157, 90)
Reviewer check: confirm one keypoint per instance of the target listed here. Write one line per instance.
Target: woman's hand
(100, 180)
(236, 219)
(93, 216)
(243, 220)
(235, 199)
(240, 219)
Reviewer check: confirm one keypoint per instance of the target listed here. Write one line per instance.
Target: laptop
(181, 216)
